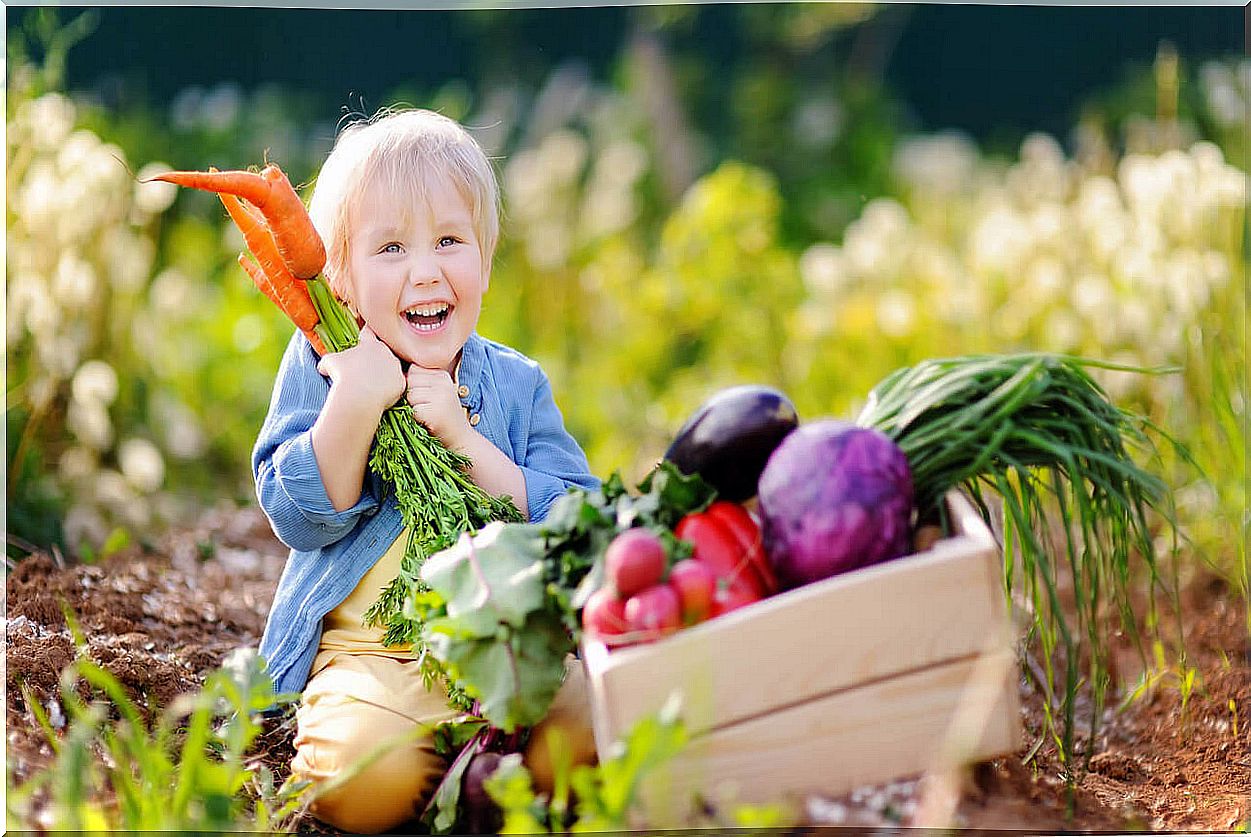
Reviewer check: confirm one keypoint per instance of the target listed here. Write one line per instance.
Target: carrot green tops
(509, 401)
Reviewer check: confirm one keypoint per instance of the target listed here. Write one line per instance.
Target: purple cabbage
(834, 497)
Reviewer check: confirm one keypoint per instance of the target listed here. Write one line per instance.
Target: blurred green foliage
(694, 221)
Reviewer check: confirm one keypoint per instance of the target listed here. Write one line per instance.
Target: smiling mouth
(428, 317)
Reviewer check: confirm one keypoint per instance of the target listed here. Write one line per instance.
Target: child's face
(416, 273)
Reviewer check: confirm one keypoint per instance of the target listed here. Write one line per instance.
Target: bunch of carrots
(436, 498)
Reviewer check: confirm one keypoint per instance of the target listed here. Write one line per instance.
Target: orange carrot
(271, 192)
(271, 275)
(291, 293)
(262, 281)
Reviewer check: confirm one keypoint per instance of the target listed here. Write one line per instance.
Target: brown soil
(162, 620)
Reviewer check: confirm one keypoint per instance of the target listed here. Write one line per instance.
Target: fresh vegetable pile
(809, 502)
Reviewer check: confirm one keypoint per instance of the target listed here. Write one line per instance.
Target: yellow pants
(359, 703)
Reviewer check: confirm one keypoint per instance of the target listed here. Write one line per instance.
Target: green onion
(1038, 431)
(436, 498)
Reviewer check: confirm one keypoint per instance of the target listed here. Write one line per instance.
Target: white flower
(1092, 296)
(129, 258)
(525, 184)
(562, 156)
(1063, 330)
(141, 464)
(1145, 185)
(1045, 281)
(43, 315)
(76, 464)
(896, 313)
(622, 161)
(1000, 241)
(939, 165)
(1220, 90)
(77, 153)
(182, 435)
(75, 281)
(154, 196)
(606, 210)
(112, 489)
(875, 244)
(547, 245)
(172, 293)
(39, 199)
(94, 382)
(49, 119)
(821, 268)
(89, 421)
(1185, 283)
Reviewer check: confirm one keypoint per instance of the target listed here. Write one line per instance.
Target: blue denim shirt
(332, 550)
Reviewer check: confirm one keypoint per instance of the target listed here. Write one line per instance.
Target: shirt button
(474, 419)
(462, 390)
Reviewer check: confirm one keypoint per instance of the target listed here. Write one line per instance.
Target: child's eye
(390, 247)
(448, 241)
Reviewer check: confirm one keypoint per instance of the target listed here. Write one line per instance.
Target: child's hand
(436, 405)
(369, 374)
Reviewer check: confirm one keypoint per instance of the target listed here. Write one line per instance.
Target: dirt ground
(162, 619)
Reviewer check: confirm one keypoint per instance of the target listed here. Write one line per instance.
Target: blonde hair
(405, 150)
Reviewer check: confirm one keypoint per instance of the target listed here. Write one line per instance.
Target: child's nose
(424, 270)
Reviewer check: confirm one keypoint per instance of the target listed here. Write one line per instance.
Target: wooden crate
(861, 678)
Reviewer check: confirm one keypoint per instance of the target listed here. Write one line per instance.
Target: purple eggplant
(730, 437)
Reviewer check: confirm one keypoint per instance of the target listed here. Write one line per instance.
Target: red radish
(695, 585)
(635, 560)
(654, 612)
(604, 616)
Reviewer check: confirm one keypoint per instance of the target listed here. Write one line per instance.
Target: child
(407, 206)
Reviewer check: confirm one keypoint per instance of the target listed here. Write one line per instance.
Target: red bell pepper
(727, 541)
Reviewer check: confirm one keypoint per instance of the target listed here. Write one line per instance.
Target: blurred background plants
(674, 223)
(680, 215)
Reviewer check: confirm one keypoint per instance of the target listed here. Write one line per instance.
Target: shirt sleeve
(288, 480)
(554, 462)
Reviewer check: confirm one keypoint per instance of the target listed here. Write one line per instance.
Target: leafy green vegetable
(499, 609)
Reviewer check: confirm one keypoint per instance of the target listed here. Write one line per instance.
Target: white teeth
(434, 309)
(427, 310)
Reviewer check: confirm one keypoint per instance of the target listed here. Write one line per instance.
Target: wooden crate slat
(877, 732)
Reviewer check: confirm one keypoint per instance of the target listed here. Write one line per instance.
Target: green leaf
(441, 813)
(676, 494)
(516, 679)
(511, 789)
(117, 540)
(605, 793)
(451, 736)
(491, 579)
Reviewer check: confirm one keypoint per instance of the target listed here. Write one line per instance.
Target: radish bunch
(644, 598)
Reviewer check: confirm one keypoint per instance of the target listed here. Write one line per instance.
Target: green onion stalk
(1039, 431)
(436, 498)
